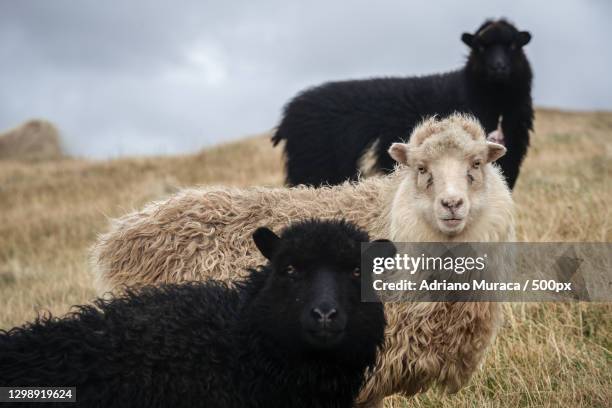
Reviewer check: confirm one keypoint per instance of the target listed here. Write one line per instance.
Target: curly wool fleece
(206, 232)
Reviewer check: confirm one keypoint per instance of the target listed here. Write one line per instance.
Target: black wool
(206, 344)
(329, 128)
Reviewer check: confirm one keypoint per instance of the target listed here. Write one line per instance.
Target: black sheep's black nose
(499, 66)
(324, 315)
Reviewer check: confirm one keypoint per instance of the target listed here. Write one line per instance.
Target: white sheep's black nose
(324, 316)
(452, 203)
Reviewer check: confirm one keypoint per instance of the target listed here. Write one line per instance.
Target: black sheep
(330, 128)
(294, 333)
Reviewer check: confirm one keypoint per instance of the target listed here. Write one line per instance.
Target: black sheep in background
(293, 334)
(330, 129)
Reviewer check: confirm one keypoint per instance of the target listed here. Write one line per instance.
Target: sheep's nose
(500, 67)
(452, 203)
(324, 315)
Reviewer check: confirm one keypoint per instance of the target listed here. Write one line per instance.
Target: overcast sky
(150, 77)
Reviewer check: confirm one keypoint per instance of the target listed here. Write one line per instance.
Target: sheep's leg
(515, 128)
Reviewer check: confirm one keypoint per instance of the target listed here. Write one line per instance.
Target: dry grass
(546, 355)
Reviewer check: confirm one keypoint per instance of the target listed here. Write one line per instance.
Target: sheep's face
(447, 177)
(312, 297)
(497, 50)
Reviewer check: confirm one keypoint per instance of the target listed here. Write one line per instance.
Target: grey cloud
(145, 77)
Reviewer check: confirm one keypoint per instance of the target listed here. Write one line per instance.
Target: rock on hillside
(34, 139)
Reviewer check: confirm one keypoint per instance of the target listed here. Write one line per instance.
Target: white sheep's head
(448, 164)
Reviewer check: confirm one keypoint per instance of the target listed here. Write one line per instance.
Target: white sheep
(444, 189)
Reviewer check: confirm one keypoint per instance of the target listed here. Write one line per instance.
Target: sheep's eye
(470, 178)
(290, 270)
(476, 164)
(422, 170)
(356, 272)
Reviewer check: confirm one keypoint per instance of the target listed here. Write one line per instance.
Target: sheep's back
(207, 232)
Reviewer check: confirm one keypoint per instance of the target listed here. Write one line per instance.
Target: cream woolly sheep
(444, 189)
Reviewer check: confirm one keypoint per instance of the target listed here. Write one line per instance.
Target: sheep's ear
(381, 240)
(523, 38)
(266, 241)
(388, 250)
(468, 39)
(494, 151)
(399, 152)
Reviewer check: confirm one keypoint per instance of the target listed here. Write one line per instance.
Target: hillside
(546, 354)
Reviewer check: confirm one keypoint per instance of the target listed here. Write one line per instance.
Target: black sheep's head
(497, 51)
(311, 299)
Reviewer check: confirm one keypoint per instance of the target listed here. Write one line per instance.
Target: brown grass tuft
(547, 354)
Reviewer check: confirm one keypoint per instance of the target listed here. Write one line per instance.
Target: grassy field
(545, 355)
